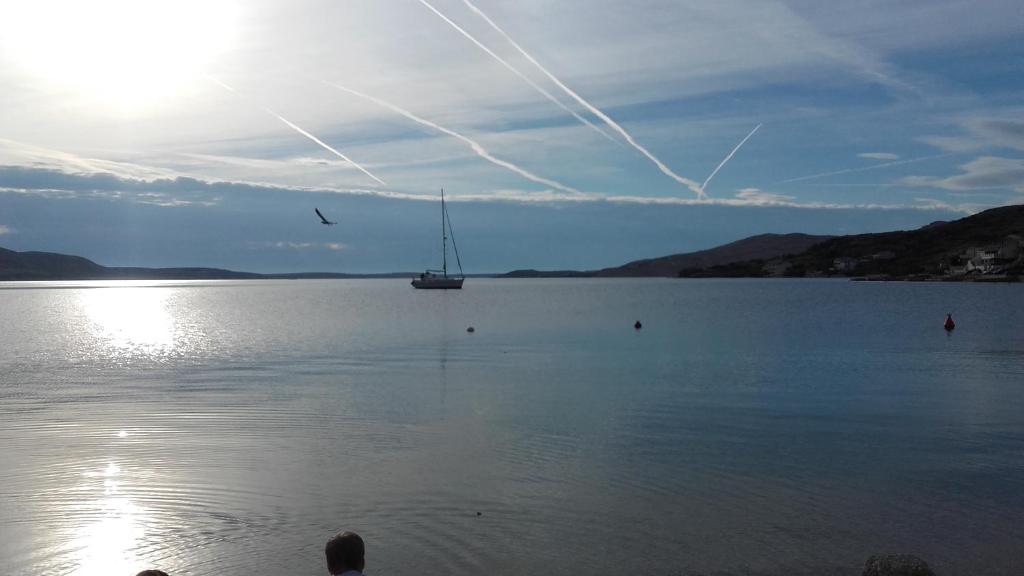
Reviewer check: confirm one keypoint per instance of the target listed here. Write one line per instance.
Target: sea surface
(750, 427)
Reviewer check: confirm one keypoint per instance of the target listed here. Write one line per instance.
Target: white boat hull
(437, 283)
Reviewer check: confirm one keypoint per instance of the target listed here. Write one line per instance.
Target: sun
(125, 55)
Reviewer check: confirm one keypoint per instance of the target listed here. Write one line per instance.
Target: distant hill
(985, 246)
(42, 266)
(52, 266)
(45, 266)
(762, 247)
(531, 273)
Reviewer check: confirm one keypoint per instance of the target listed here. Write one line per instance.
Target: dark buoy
(470, 329)
(949, 324)
(638, 325)
(479, 513)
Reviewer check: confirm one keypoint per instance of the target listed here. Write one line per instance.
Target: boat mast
(444, 240)
(454, 245)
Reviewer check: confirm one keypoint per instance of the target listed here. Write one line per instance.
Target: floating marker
(949, 324)
(470, 329)
(638, 325)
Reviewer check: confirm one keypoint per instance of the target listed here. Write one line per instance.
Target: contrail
(691, 184)
(727, 158)
(865, 168)
(324, 145)
(304, 133)
(476, 146)
(516, 71)
(221, 84)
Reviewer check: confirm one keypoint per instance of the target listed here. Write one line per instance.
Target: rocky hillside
(983, 246)
(762, 247)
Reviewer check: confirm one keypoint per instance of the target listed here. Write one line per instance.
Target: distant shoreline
(984, 247)
(315, 276)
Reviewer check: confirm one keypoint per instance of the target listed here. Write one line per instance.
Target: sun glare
(131, 320)
(107, 543)
(126, 55)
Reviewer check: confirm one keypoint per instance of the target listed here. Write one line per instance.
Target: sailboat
(439, 279)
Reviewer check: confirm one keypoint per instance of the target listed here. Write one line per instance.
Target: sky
(565, 134)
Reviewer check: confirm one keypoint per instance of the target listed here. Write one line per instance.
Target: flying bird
(323, 220)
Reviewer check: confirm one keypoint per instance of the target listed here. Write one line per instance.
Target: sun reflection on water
(108, 541)
(132, 320)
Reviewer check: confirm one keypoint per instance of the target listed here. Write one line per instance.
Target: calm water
(750, 427)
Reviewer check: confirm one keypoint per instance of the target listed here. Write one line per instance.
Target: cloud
(301, 164)
(982, 173)
(15, 153)
(953, 144)
(779, 201)
(756, 195)
(167, 192)
(58, 185)
(169, 201)
(1001, 132)
(978, 133)
(879, 155)
(291, 245)
(4, 229)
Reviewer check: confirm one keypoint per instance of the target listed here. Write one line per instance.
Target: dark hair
(345, 551)
(152, 573)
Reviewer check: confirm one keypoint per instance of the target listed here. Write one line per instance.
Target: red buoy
(949, 324)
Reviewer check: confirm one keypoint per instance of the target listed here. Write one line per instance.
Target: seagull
(323, 220)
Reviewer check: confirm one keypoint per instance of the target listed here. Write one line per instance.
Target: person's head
(345, 552)
(152, 573)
